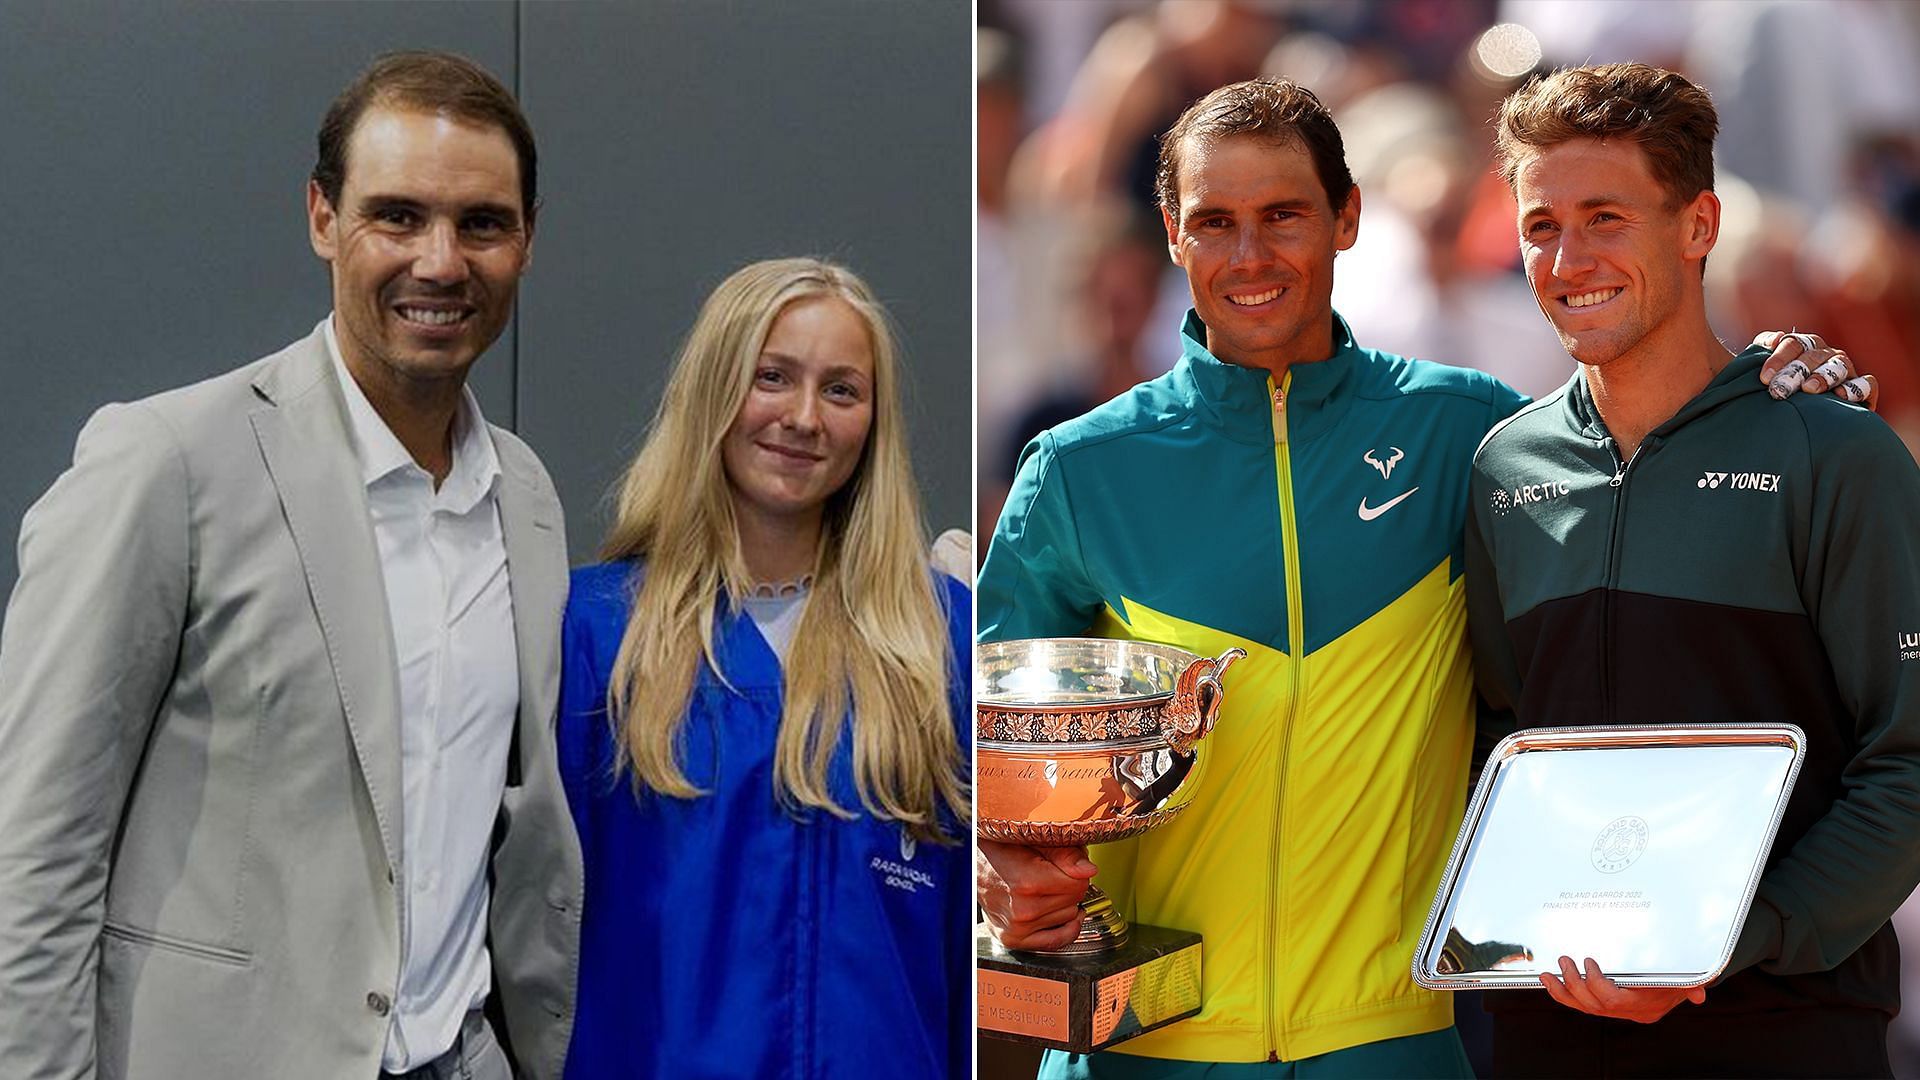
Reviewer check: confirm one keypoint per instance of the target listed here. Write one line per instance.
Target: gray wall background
(153, 160)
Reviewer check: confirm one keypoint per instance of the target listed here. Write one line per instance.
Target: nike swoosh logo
(1368, 513)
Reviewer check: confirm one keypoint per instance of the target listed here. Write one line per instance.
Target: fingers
(1050, 895)
(1603, 988)
(1790, 379)
(1557, 990)
(1031, 896)
(1641, 1005)
(1812, 373)
(1039, 886)
(1034, 922)
(1805, 363)
(1771, 366)
(1581, 988)
(1837, 368)
(1025, 922)
(1863, 390)
(1018, 870)
(1071, 861)
(1591, 991)
(1037, 939)
(1787, 346)
(1586, 991)
(1835, 372)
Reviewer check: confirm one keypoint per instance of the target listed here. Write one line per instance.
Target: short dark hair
(1278, 110)
(434, 82)
(1670, 119)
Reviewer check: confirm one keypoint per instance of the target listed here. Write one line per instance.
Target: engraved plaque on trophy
(1637, 846)
(1084, 741)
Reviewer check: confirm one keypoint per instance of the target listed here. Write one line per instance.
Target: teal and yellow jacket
(1317, 524)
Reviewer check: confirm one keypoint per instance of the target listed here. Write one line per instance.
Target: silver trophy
(1085, 741)
(1639, 846)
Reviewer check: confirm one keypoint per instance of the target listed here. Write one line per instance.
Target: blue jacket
(722, 937)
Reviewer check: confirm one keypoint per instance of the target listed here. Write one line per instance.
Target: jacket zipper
(1619, 486)
(1296, 642)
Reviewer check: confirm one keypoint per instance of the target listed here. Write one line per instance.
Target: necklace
(774, 590)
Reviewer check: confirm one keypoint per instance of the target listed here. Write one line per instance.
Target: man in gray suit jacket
(278, 794)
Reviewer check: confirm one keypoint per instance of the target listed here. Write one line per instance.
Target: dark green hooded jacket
(1754, 561)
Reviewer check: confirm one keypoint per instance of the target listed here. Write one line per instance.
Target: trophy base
(1085, 1003)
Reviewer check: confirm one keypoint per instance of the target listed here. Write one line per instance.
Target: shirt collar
(476, 466)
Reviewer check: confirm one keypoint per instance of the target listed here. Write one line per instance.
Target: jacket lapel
(309, 454)
(537, 581)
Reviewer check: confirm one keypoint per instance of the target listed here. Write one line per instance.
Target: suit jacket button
(378, 1002)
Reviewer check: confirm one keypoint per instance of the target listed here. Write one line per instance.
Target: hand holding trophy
(1082, 741)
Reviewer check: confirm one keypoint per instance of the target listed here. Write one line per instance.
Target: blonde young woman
(763, 714)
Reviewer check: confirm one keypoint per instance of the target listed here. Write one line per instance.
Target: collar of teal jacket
(1238, 396)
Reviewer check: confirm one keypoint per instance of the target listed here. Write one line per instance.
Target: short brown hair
(434, 82)
(1670, 119)
(1277, 110)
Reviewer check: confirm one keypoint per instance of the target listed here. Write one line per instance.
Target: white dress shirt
(444, 564)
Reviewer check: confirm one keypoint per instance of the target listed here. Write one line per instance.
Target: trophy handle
(1196, 701)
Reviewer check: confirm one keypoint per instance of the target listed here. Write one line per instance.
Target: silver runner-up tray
(1637, 846)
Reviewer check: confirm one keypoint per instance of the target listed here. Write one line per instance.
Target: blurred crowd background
(1818, 172)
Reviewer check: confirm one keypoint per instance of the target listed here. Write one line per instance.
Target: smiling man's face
(427, 244)
(1611, 261)
(1256, 235)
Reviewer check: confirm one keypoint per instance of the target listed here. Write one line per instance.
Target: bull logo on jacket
(1385, 467)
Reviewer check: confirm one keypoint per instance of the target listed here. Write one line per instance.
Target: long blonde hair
(873, 632)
